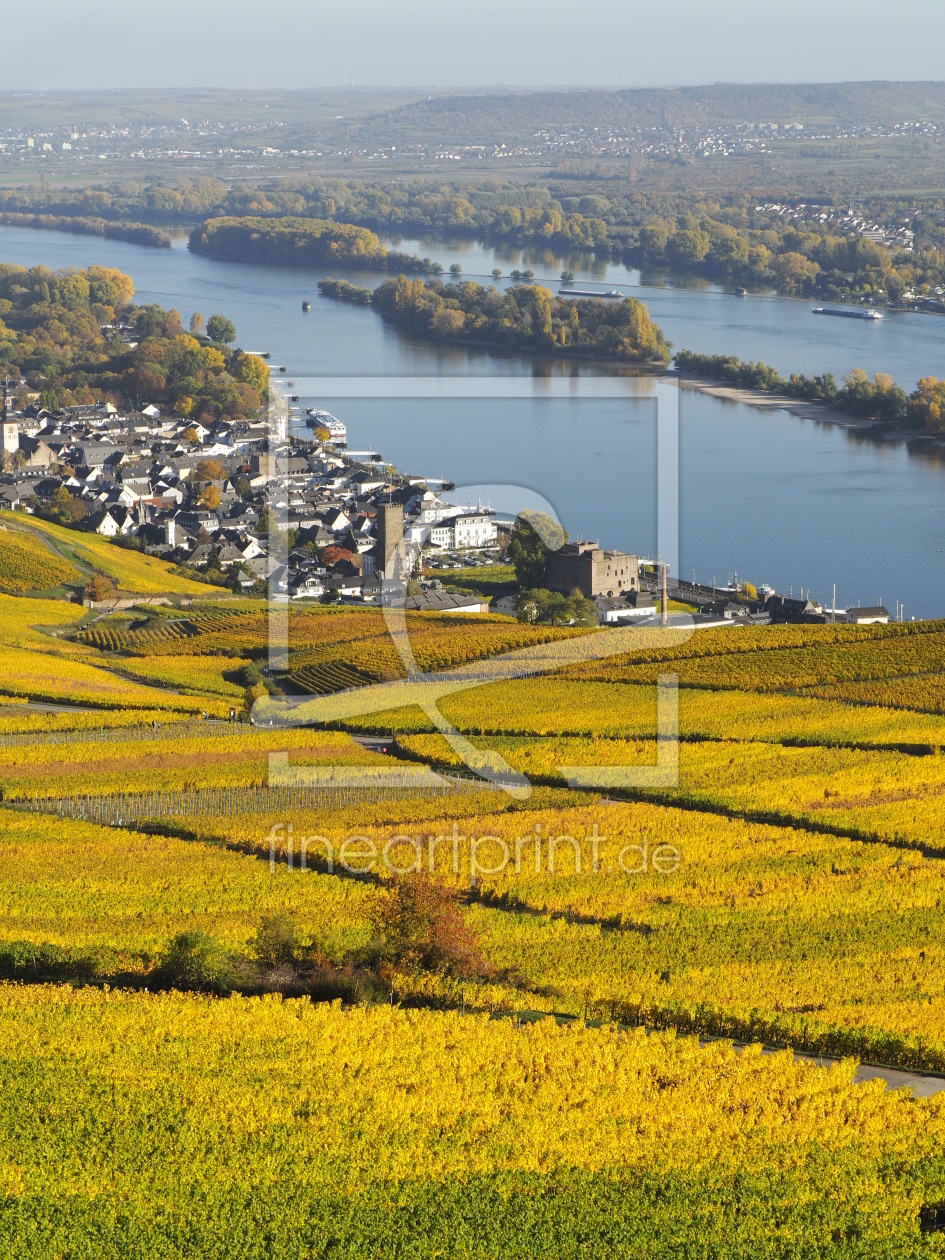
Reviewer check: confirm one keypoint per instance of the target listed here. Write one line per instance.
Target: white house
(474, 529)
(876, 616)
(465, 530)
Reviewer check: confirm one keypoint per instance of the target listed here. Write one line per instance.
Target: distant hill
(471, 117)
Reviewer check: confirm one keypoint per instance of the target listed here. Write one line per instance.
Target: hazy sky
(310, 43)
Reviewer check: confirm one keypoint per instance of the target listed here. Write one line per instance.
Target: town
(211, 498)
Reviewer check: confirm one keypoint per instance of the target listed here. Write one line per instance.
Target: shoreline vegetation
(874, 401)
(814, 251)
(459, 314)
(76, 338)
(84, 225)
(302, 242)
(527, 318)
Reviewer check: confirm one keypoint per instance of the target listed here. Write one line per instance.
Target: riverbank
(804, 408)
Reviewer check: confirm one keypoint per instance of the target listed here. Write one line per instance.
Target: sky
(426, 43)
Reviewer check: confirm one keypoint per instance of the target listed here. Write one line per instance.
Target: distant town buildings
(210, 495)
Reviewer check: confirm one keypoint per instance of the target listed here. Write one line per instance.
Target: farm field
(786, 889)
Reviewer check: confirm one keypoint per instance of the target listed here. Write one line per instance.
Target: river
(793, 502)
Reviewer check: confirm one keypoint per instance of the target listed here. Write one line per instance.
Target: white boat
(319, 419)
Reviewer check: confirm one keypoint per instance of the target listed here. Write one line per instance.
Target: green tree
(68, 508)
(540, 607)
(193, 960)
(221, 329)
(276, 943)
(533, 536)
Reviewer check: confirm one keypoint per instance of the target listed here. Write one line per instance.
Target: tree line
(524, 317)
(874, 398)
(76, 337)
(303, 242)
(728, 237)
(135, 233)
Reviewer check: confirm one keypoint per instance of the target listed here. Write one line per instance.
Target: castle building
(585, 567)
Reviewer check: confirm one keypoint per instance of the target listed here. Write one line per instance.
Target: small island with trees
(301, 242)
(524, 317)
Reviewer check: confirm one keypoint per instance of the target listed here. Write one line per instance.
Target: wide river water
(779, 499)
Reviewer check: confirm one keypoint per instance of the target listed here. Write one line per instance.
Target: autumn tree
(418, 926)
(99, 588)
(251, 370)
(210, 470)
(332, 555)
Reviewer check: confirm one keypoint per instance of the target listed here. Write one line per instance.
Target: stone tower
(390, 533)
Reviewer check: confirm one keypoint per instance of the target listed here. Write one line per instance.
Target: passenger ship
(318, 419)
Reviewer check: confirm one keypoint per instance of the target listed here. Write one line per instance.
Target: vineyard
(113, 637)
(550, 706)
(787, 889)
(129, 570)
(82, 887)
(27, 564)
(365, 1129)
(63, 679)
(841, 662)
(329, 677)
(176, 758)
